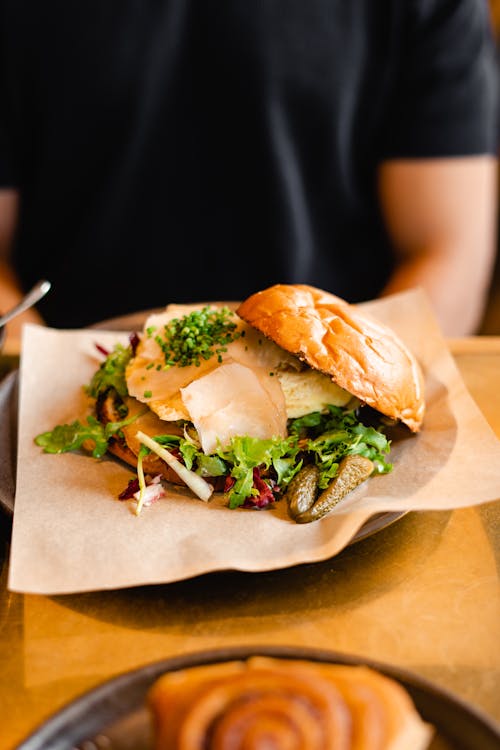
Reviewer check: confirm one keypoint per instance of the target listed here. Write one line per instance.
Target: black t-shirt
(179, 150)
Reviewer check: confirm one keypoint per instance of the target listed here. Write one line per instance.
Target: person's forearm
(10, 288)
(441, 276)
(10, 295)
(441, 217)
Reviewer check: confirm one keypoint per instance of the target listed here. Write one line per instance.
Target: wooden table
(422, 594)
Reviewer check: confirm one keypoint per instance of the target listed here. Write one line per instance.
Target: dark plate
(8, 440)
(114, 715)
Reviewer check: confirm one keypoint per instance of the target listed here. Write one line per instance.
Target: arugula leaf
(70, 437)
(111, 373)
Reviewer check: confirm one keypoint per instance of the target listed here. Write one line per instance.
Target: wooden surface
(423, 594)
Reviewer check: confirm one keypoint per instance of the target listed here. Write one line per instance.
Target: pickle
(353, 470)
(301, 492)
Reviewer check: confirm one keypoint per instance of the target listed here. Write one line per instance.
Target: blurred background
(112, 197)
(491, 320)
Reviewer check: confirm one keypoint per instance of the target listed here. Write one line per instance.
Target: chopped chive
(198, 336)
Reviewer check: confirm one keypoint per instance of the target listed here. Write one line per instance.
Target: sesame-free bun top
(360, 354)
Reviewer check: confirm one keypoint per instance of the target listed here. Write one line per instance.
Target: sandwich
(289, 394)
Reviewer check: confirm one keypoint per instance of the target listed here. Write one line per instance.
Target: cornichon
(301, 492)
(353, 470)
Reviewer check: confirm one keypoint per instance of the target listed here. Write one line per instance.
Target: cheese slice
(233, 400)
(309, 391)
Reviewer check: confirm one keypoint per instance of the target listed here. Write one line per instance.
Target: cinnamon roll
(267, 703)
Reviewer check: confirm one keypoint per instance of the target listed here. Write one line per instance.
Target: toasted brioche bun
(361, 355)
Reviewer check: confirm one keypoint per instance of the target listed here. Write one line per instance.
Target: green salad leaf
(337, 433)
(239, 459)
(70, 437)
(111, 373)
(244, 453)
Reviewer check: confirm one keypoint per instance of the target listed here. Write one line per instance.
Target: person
(176, 151)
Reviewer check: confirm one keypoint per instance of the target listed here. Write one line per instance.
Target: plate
(114, 715)
(8, 442)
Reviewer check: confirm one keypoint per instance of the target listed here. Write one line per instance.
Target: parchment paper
(70, 533)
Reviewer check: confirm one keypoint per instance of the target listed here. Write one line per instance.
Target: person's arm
(10, 289)
(441, 217)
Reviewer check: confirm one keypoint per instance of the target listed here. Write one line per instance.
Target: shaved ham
(235, 400)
